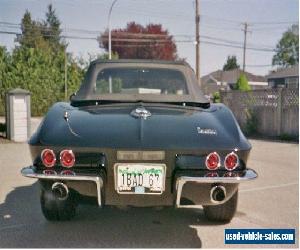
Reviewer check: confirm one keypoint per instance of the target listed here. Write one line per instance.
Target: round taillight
(48, 158)
(231, 161)
(67, 158)
(212, 161)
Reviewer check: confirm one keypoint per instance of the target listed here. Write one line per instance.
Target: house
(226, 80)
(285, 77)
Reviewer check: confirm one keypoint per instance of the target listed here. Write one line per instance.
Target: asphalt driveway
(271, 201)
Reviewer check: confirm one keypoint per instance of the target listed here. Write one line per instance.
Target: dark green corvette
(139, 133)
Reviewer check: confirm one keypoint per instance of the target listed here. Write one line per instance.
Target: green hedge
(39, 71)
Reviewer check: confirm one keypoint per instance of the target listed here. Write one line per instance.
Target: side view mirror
(71, 96)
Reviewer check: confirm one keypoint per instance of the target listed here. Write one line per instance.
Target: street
(271, 201)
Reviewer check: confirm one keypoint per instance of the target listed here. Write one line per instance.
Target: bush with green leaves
(251, 127)
(41, 71)
(242, 83)
(216, 97)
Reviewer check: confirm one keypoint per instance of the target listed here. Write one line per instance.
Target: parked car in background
(139, 133)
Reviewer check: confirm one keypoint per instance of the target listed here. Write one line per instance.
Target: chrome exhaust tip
(217, 194)
(60, 190)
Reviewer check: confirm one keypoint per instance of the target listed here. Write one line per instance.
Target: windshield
(154, 81)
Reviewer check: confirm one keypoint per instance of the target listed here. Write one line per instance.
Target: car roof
(85, 92)
(154, 61)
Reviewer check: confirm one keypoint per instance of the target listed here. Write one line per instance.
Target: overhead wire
(208, 22)
(141, 35)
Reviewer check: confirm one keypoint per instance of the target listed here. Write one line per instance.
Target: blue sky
(220, 19)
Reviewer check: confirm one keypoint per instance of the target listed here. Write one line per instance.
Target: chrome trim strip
(249, 175)
(29, 172)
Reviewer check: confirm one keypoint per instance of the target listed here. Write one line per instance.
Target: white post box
(18, 115)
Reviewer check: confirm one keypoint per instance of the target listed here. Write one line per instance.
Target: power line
(280, 29)
(271, 23)
(204, 17)
(150, 40)
(209, 26)
(146, 35)
(221, 19)
(236, 46)
(97, 32)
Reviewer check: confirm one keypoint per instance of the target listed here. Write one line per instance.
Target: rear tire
(223, 212)
(55, 209)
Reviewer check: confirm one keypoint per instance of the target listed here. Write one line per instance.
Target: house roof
(285, 72)
(231, 76)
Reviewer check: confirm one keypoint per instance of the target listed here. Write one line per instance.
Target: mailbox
(18, 115)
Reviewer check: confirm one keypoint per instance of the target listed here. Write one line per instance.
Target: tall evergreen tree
(231, 63)
(31, 36)
(52, 30)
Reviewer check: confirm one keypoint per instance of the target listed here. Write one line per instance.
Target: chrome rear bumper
(247, 175)
(181, 180)
(29, 172)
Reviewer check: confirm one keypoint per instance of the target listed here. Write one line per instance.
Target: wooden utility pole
(197, 20)
(66, 74)
(245, 44)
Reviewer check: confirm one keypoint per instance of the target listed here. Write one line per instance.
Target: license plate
(140, 178)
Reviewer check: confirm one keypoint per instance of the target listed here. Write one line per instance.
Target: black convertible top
(179, 62)
(85, 92)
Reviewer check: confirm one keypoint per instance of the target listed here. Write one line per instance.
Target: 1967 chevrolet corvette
(139, 133)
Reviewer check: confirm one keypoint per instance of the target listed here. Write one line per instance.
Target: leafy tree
(142, 42)
(242, 83)
(4, 68)
(41, 71)
(231, 63)
(38, 64)
(287, 48)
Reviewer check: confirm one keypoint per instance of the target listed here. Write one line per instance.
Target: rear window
(154, 81)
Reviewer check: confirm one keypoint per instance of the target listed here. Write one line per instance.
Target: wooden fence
(270, 112)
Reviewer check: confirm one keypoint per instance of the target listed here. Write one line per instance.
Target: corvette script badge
(206, 131)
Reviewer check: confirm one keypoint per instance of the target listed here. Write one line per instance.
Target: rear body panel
(96, 134)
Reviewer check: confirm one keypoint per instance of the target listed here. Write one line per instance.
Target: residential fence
(269, 112)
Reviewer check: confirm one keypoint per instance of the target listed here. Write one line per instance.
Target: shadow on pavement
(23, 225)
